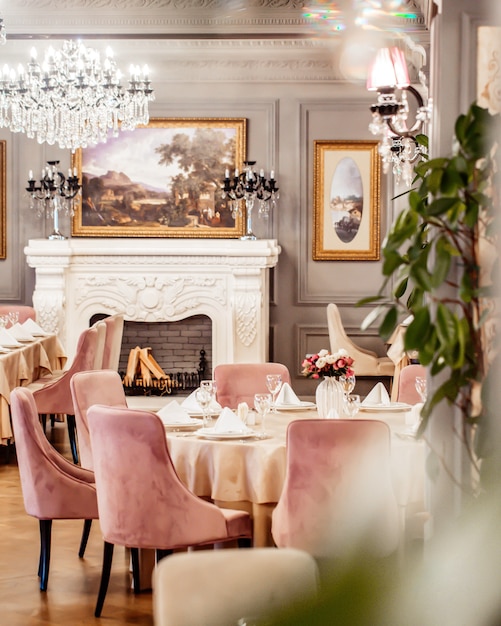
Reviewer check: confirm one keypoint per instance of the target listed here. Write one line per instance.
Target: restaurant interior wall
(291, 93)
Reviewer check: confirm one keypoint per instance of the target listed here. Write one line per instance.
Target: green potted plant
(434, 256)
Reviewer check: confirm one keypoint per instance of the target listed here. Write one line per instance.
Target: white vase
(329, 398)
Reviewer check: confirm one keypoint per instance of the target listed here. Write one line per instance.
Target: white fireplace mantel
(162, 280)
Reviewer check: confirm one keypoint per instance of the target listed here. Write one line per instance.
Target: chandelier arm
(409, 132)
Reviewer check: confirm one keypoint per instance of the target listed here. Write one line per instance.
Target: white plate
(393, 406)
(209, 433)
(195, 413)
(195, 423)
(296, 407)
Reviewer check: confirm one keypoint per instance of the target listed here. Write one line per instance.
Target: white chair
(367, 362)
(218, 587)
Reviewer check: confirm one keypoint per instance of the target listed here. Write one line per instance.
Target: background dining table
(21, 366)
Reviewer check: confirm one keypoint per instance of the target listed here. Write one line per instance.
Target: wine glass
(211, 387)
(351, 404)
(348, 384)
(204, 398)
(420, 385)
(274, 384)
(262, 404)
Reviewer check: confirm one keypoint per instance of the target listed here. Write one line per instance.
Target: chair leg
(43, 420)
(136, 578)
(70, 419)
(244, 542)
(44, 562)
(85, 537)
(161, 554)
(105, 577)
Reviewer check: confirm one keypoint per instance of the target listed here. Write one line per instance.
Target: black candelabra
(54, 192)
(247, 187)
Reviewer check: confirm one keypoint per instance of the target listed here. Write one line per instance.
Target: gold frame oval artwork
(346, 211)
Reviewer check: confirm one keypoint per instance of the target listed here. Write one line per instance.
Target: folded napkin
(7, 340)
(190, 404)
(20, 333)
(173, 413)
(377, 395)
(33, 328)
(229, 422)
(287, 396)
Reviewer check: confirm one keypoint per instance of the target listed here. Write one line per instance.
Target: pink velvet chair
(238, 382)
(338, 495)
(53, 395)
(407, 383)
(88, 388)
(53, 488)
(25, 312)
(142, 502)
(113, 342)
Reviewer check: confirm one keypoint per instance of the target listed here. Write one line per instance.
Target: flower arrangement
(326, 364)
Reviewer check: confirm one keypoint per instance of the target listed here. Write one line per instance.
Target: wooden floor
(73, 582)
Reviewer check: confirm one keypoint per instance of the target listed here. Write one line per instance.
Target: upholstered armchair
(238, 382)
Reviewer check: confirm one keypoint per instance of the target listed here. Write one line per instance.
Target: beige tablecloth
(249, 474)
(22, 366)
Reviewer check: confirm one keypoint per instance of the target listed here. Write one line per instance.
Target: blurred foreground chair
(238, 382)
(142, 502)
(338, 494)
(52, 394)
(367, 362)
(218, 587)
(25, 312)
(53, 488)
(88, 388)
(407, 383)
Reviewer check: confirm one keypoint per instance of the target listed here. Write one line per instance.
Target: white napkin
(33, 328)
(7, 340)
(173, 413)
(377, 395)
(20, 333)
(287, 396)
(229, 422)
(190, 404)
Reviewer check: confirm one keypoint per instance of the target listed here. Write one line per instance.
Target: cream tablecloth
(249, 474)
(22, 366)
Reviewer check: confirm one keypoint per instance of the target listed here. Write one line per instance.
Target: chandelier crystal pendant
(53, 194)
(73, 99)
(399, 144)
(249, 187)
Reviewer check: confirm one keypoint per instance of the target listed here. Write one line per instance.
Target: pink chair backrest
(113, 342)
(407, 383)
(142, 502)
(25, 312)
(53, 488)
(338, 494)
(56, 396)
(238, 382)
(88, 388)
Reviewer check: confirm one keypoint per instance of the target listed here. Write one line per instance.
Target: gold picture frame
(3, 199)
(161, 180)
(346, 211)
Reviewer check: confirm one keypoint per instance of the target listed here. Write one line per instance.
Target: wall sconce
(398, 144)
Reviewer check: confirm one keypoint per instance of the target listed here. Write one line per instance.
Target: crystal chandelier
(248, 187)
(73, 99)
(400, 145)
(54, 193)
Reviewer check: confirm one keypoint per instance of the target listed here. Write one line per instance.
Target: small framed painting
(161, 180)
(346, 209)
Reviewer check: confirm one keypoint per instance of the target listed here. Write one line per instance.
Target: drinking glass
(348, 384)
(351, 404)
(274, 384)
(420, 385)
(203, 397)
(211, 387)
(262, 404)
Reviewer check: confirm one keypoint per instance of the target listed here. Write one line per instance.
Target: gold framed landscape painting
(346, 208)
(161, 180)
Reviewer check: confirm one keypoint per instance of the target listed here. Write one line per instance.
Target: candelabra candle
(247, 187)
(54, 193)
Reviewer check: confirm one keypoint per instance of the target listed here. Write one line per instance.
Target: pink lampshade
(388, 70)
